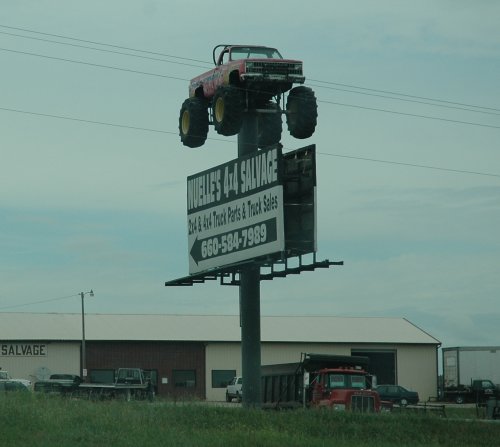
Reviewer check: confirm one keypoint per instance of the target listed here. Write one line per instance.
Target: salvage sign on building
(235, 211)
(23, 350)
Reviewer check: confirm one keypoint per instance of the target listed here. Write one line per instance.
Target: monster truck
(248, 78)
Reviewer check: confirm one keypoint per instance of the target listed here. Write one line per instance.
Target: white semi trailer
(470, 373)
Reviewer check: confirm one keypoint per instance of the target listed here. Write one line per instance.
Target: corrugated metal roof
(210, 328)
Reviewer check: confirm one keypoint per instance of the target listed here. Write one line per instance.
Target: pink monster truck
(248, 77)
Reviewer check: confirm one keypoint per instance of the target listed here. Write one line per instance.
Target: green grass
(39, 421)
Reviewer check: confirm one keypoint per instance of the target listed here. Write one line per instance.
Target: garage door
(382, 364)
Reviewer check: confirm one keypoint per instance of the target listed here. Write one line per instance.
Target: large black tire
(227, 110)
(193, 122)
(269, 126)
(301, 112)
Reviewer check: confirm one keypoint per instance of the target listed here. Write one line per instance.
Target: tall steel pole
(249, 290)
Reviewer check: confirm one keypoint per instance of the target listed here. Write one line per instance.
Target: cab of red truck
(337, 382)
(343, 389)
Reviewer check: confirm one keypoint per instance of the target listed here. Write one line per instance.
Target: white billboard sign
(235, 211)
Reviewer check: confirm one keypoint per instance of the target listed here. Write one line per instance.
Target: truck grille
(279, 68)
(363, 404)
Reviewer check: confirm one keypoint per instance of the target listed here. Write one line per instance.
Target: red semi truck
(339, 382)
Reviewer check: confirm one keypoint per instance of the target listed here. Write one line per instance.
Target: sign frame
(235, 211)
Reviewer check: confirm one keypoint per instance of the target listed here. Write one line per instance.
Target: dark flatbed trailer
(130, 384)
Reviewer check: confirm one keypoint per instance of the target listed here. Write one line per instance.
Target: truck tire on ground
(227, 108)
(269, 126)
(301, 112)
(403, 402)
(459, 399)
(193, 122)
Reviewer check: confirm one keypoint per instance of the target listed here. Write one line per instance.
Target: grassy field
(38, 420)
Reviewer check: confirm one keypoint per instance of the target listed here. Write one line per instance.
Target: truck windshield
(346, 381)
(254, 53)
(358, 382)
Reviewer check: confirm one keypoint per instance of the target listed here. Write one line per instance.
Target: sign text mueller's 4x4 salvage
(235, 211)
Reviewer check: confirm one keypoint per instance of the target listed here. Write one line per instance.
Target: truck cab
(343, 389)
(337, 382)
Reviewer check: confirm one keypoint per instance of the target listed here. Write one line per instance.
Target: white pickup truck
(5, 377)
(234, 390)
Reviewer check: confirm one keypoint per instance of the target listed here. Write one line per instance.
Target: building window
(184, 378)
(222, 377)
(102, 376)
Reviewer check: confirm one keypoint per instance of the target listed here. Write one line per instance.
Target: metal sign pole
(249, 290)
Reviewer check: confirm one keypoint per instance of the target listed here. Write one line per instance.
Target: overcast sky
(403, 87)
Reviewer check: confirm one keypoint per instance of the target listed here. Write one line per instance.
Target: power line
(144, 129)
(208, 63)
(407, 100)
(103, 50)
(81, 120)
(406, 95)
(103, 44)
(414, 115)
(184, 79)
(109, 67)
(100, 123)
(39, 302)
(413, 165)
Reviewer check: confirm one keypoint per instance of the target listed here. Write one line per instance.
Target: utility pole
(83, 362)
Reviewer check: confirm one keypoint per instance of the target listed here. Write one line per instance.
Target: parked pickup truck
(5, 377)
(248, 78)
(59, 383)
(479, 391)
(235, 389)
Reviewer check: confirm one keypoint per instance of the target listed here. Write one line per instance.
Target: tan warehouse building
(196, 355)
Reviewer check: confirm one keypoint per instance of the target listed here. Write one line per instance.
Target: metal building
(197, 355)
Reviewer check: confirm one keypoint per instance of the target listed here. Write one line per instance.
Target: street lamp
(83, 367)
